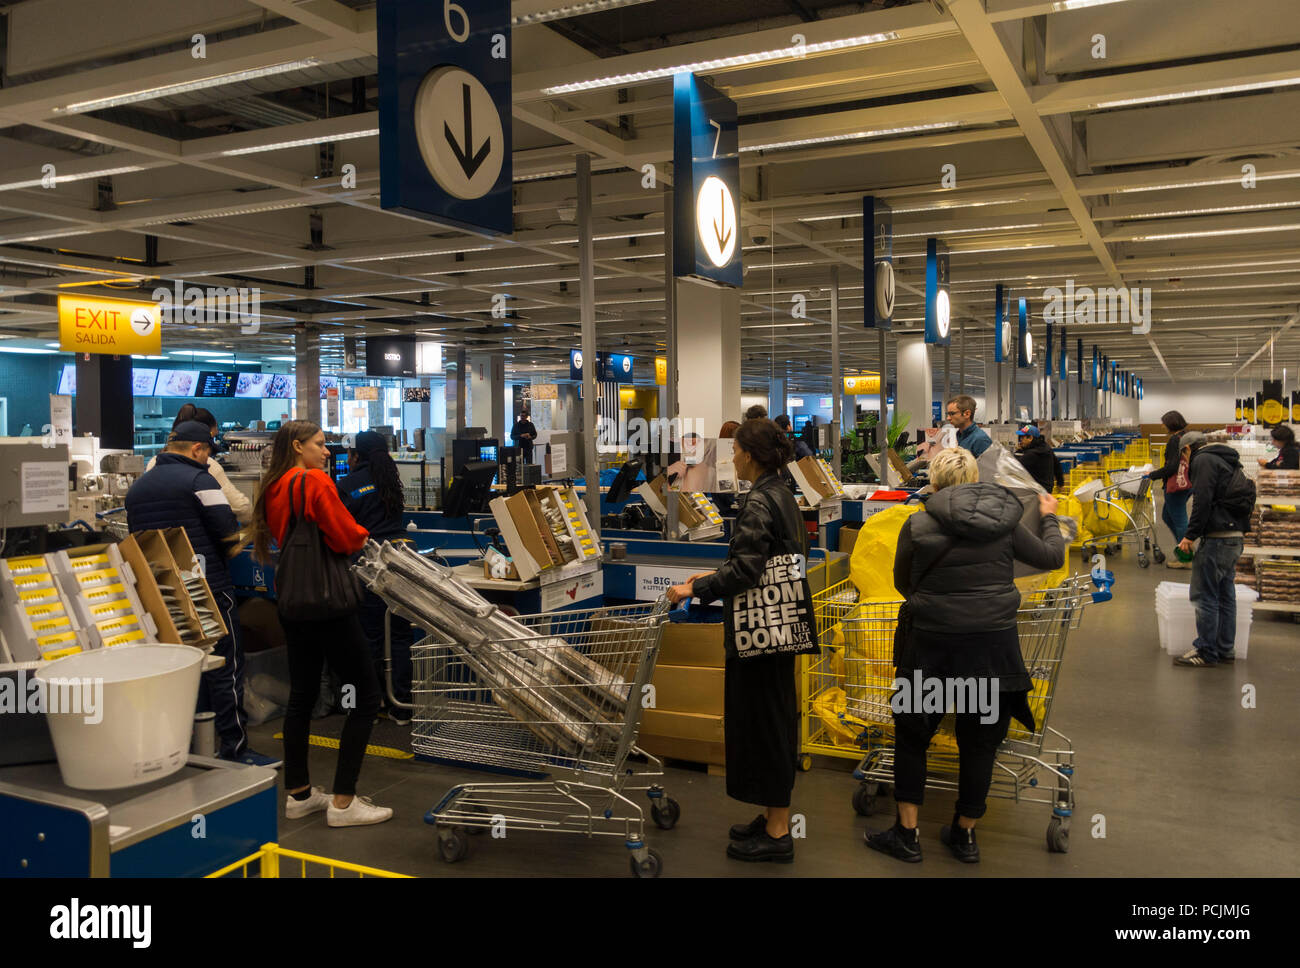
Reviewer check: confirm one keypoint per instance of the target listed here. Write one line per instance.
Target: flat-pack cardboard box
(688, 689)
(692, 644)
(683, 736)
(167, 554)
(146, 586)
(522, 524)
(848, 538)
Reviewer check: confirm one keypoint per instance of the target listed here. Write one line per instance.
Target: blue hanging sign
(877, 264)
(938, 305)
(444, 112)
(706, 183)
(1026, 340)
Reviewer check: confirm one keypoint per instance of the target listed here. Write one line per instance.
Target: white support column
(707, 356)
(915, 381)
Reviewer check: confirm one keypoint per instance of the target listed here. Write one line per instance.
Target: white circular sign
(942, 312)
(143, 321)
(884, 290)
(1007, 342)
(1029, 347)
(577, 359)
(715, 220)
(459, 132)
(627, 364)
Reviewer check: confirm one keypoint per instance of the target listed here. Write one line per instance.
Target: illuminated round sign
(715, 220)
(458, 131)
(577, 359)
(885, 290)
(627, 364)
(942, 313)
(1029, 347)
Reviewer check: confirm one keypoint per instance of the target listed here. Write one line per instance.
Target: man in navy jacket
(179, 492)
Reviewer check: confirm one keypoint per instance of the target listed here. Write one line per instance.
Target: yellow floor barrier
(268, 861)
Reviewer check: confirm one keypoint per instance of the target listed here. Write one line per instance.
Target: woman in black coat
(1288, 452)
(768, 621)
(1174, 512)
(955, 567)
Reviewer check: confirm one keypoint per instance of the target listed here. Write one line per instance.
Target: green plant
(897, 424)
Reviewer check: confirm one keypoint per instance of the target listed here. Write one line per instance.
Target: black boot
(897, 842)
(960, 841)
(746, 831)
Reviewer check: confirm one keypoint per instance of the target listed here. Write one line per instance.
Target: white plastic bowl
(136, 716)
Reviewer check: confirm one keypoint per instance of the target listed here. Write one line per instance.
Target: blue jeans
(1174, 513)
(1215, 596)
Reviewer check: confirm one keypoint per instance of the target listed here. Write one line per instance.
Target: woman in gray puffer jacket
(955, 566)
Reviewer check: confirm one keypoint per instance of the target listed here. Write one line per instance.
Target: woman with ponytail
(295, 484)
(373, 494)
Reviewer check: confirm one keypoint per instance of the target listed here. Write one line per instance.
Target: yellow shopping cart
(272, 860)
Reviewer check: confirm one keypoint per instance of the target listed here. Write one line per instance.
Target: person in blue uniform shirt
(961, 414)
(373, 494)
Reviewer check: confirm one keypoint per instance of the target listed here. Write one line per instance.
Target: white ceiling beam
(327, 17)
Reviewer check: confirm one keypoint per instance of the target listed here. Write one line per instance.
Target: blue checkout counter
(51, 830)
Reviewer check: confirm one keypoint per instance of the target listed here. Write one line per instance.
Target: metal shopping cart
(579, 738)
(1046, 617)
(1124, 513)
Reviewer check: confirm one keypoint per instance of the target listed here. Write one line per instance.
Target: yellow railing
(269, 857)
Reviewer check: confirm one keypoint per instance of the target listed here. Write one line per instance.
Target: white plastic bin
(1176, 617)
(134, 717)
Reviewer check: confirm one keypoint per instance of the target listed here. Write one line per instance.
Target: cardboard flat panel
(146, 586)
(693, 726)
(692, 644)
(688, 689)
(669, 747)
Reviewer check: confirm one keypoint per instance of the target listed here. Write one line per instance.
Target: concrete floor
(1188, 781)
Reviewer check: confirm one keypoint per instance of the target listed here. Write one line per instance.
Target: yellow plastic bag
(1101, 518)
(830, 705)
(872, 564)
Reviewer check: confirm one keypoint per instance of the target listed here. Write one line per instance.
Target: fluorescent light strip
(1203, 183)
(854, 136)
(1240, 207)
(991, 228)
(1063, 5)
(1203, 92)
(60, 179)
(572, 10)
(722, 63)
(217, 80)
(300, 142)
(1214, 232)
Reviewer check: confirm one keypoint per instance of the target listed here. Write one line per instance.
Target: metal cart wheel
(1143, 561)
(453, 845)
(1112, 550)
(864, 800)
(1058, 837)
(666, 813)
(476, 831)
(651, 866)
(805, 762)
(1159, 556)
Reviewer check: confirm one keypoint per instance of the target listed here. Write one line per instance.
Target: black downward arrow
(467, 164)
(718, 234)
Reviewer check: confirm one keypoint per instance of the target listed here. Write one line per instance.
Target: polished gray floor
(1188, 781)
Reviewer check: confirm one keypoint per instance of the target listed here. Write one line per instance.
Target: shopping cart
(269, 861)
(1124, 513)
(578, 739)
(113, 523)
(1044, 622)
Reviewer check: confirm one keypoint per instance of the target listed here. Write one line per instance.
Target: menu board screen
(216, 384)
(252, 386)
(142, 382)
(68, 380)
(176, 383)
(328, 383)
(280, 386)
(416, 395)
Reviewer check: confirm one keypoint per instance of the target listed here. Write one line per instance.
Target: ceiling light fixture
(723, 63)
(1202, 92)
(1063, 5)
(1203, 183)
(166, 90)
(60, 179)
(853, 136)
(300, 142)
(28, 350)
(1213, 232)
(572, 10)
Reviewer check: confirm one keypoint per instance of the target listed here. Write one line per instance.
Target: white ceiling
(1122, 171)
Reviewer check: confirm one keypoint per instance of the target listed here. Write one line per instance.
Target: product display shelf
(38, 621)
(575, 522)
(101, 586)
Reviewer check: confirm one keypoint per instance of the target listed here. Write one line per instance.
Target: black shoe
(763, 847)
(1229, 657)
(961, 842)
(897, 842)
(747, 831)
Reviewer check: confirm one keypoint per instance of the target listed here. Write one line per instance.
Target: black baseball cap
(191, 432)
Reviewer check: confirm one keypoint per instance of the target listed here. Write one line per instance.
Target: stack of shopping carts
(555, 697)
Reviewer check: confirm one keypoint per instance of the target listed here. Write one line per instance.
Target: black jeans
(977, 744)
(221, 691)
(342, 642)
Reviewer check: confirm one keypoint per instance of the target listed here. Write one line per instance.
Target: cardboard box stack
(545, 527)
(817, 482)
(686, 721)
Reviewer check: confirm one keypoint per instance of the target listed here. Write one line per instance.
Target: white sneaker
(296, 809)
(359, 812)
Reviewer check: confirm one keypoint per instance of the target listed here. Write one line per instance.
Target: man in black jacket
(1039, 459)
(524, 434)
(179, 492)
(1222, 499)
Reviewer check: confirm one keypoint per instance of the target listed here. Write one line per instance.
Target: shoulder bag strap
(298, 505)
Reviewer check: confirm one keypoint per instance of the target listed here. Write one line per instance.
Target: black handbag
(903, 628)
(777, 617)
(312, 582)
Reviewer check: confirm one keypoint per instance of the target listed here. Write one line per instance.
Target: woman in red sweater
(299, 450)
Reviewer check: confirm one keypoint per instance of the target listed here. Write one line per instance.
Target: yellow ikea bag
(872, 564)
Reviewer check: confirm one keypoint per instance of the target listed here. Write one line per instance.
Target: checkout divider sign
(652, 581)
